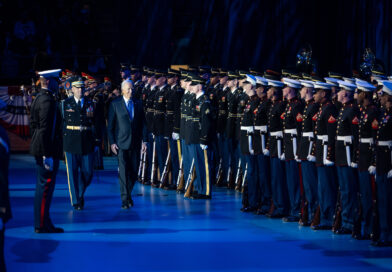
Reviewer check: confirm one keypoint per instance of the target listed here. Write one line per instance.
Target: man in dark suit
(46, 147)
(126, 132)
(5, 209)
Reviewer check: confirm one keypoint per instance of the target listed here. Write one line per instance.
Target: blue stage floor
(165, 232)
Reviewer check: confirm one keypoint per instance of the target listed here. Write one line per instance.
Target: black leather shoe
(321, 227)
(248, 209)
(303, 223)
(274, 215)
(77, 207)
(130, 202)
(290, 219)
(196, 196)
(49, 230)
(381, 243)
(343, 231)
(125, 206)
(261, 212)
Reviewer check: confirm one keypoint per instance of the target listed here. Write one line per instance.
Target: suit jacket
(4, 162)
(46, 133)
(122, 131)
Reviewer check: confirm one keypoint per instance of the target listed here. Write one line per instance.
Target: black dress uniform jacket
(311, 108)
(173, 111)
(201, 126)
(261, 119)
(160, 102)
(232, 106)
(275, 124)
(222, 110)
(45, 126)
(79, 141)
(292, 119)
(384, 133)
(247, 120)
(347, 125)
(325, 124)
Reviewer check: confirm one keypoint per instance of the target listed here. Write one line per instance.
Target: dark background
(95, 36)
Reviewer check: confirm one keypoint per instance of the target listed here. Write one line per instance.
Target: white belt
(247, 128)
(291, 131)
(323, 138)
(345, 139)
(385, 143)
(261, 128)
(308, 134)
(366, 140)
(277, 134)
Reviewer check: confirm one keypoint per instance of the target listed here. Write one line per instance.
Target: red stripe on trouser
(43, 204)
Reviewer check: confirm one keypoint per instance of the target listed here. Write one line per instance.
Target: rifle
(238, 177)
(219, 173)
(153, 164)
(143, 177)
(244, 179)
(180, 179)
(230, 179)
(190, 180)
(165, 170)
(139, 172)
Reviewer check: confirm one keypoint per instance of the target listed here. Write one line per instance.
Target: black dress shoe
(343, 231)
(321, 227)
(261, 212)
(290, 219)
(196, 196)
(77, 207)
(304, 223)
(49, 230)
(248, 209)
(274, 215)
(125, 206)
(130, 202)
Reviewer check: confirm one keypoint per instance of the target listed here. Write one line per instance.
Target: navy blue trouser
(292, 179)
(384, 200)
(327, 193)
(252, 179)
(348, 184)
(175, 159)
(79, 174)
(365, 189)
(186, 159)
(279, 187)
(162, 150)
(264, 180)
(202, 183)
(225, 155)
(309, 179)
(46, 181)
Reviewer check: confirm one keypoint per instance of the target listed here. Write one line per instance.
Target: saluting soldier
(292, 119)
(46, 147)
(323, 154)
(80, 139)
(367, 136)
(383, 165)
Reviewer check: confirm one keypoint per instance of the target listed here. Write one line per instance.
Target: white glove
(372, 170)
(389, 174)
(252, 152)
(48, 163)
(311, 158)
(175, 136)
(328, 163)
(354, 165)
(204, 147)
(166, 138)
(266, 152)
(282, 157)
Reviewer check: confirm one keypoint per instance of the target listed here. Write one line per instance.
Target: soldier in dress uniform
(346, 147)
(173, 98)
(275, 148)
(383, 165)
(367, 136)
(160, 101)
(247, 130)
(136, 77)
(46, 147)
(80, 139)
(260, 145)
(200, 136)
(308, 168)
(323, 154)
(291, 137)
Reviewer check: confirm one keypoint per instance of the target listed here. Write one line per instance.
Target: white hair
(125, 82)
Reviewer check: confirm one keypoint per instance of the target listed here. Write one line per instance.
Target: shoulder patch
(314, 118)
(282, 116)
(331, 119)
(355, 121)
